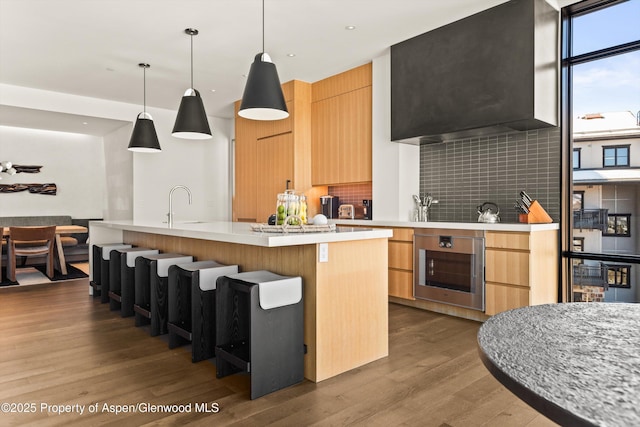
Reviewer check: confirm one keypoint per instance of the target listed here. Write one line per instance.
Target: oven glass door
(449, 270)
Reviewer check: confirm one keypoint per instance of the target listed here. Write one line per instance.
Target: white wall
(75, 163)
(118, 175)
(203, 166)
(396, 167)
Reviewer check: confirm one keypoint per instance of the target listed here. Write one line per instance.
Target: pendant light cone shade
(263, 98)
(191, 122)
(144, 137)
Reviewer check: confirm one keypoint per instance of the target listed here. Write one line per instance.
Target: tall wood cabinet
(271, 155)
(341, 128)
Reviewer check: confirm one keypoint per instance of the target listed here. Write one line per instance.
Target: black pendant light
(263, 98)
(191, 122)
(144, 137)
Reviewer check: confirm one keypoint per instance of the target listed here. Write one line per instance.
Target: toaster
(346, 212)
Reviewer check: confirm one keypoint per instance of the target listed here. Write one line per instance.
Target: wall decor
(11, 169)
(27, 168)
(48, 189)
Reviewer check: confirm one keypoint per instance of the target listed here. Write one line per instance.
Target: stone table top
(576, 363)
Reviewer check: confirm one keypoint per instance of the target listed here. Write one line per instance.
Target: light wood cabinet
(244, 198)
(276, 127)
(275, 167)
(324, 146)
(341, 128)
(521, 269)
(401, 263)
(269, 153)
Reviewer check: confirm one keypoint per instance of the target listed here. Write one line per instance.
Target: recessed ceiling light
(350, 27)
(85, 123)
(291, 55)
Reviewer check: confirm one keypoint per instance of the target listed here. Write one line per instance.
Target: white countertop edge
(450, 225)
(241, 233)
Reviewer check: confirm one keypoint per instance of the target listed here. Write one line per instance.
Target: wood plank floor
(59, 346)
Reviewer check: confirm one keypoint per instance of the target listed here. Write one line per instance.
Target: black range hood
(491, 72)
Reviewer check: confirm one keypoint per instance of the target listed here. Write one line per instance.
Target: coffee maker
(330, 206)
(368, 208)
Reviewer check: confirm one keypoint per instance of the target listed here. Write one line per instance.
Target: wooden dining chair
(30, 241)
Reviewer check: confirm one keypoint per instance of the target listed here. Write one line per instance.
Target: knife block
(536, 215)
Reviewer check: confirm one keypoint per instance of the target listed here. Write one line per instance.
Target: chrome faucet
(170, 214)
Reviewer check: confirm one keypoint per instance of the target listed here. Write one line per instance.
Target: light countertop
(450, 225)
(238, 232)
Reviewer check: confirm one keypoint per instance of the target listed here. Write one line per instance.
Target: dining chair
(30, 241)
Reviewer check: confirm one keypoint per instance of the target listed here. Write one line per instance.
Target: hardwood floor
(59, 346)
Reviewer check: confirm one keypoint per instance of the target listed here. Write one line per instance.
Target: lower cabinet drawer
(401, 255)
(402, 234)
(500, 298)
(401, 284)
(504, 266)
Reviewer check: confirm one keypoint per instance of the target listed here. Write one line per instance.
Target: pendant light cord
(191, 35)
(262, 26)
(144, 90)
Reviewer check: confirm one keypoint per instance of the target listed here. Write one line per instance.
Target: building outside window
(576, 158)
(615, 156)
(601, 122)
(618, 276)
(618, 225)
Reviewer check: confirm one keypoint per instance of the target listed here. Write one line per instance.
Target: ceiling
(92, 47)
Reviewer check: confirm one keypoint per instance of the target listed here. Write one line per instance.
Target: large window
(601, 134)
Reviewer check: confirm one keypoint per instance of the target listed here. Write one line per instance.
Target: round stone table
(576, 363)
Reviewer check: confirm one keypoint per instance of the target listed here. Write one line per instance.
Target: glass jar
(281, 209)
(302, 211)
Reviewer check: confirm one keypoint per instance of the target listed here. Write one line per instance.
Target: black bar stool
(151, 283)
(192, 305)
(121, 275)
(100, 268)
(259, 329)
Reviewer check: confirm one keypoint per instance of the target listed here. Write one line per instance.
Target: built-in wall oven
(449, 267)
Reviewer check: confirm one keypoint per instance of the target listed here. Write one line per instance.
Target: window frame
(616, 148)
(568, 61)
(618, 269)
(581, 194)
(577, 151)
(617, 216)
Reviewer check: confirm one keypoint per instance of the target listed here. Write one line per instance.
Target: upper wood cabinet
(270, 153)
(341, 128)
(244, 197)
(275, 167)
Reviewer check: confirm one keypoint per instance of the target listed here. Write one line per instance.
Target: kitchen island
(344, 274)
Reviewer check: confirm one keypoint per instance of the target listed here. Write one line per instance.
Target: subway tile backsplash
(462, 174)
